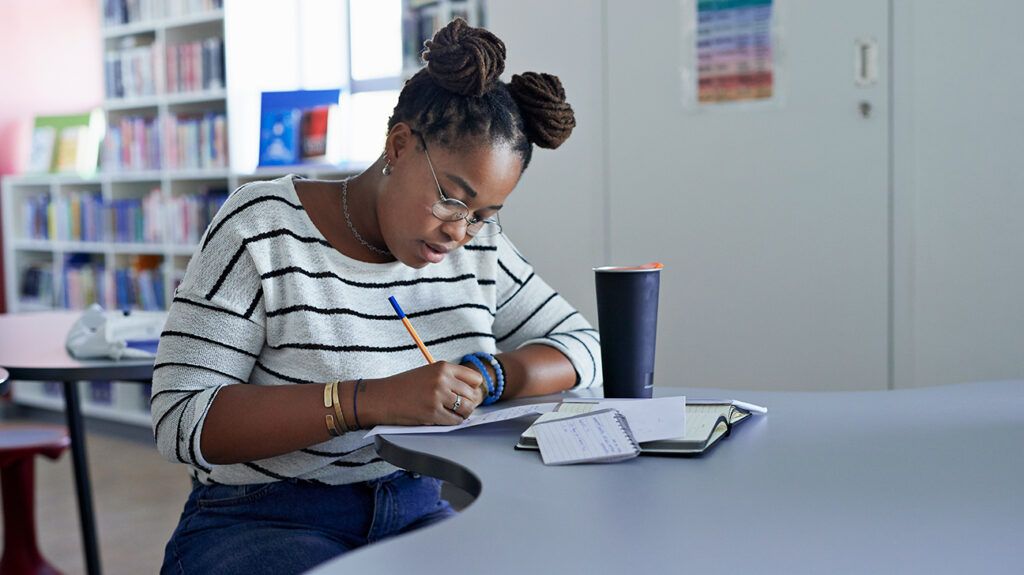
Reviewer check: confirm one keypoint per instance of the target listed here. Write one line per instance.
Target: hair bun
(464, 59)
(549, 119)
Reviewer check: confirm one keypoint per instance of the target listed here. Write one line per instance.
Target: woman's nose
(455, 230)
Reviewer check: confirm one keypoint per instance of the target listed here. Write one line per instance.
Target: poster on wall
(734, 52)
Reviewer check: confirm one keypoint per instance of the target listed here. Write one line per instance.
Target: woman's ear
(399, 143)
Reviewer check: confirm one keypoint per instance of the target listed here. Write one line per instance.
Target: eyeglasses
(451, 210)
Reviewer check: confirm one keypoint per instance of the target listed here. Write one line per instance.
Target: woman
(288, 295)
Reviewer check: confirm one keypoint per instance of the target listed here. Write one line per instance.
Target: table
(923, 480)
(32, 348)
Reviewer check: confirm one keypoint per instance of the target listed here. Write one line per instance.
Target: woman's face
(481, 177)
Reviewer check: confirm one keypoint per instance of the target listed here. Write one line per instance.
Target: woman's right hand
(422, 396)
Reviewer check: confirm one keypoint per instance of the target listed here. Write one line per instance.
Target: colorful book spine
(36, 284)
(140, 286)
(189, 216)
(197, 141)
(195, 66)
(35, 216)
(83, 283)
(130, 70)
(132, 143)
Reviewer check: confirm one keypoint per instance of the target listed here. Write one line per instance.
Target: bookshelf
(123, 236)
(421, 18)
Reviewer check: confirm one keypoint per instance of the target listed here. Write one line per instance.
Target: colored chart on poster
(734, 51)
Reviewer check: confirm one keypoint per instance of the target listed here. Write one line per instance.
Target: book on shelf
(118, 12)
(313, 133)
(44, 142)
(295, 123)
(707, 422)
(36, 284)
(66, 143)
(189, 216)
(132, 143)
(195, 66)
(175, 8)
(35, 217)
(130, 69)
(79, 217)
(140, 285)
(84, 281)
(279, 137)
(197, 141)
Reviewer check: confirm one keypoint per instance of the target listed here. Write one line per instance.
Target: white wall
(959, 191)
(935, 248)
(556, 216)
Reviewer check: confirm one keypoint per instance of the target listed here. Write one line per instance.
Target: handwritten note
(599, 436)
(471, 421)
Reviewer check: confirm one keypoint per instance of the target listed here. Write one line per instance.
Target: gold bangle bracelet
(339, 415)
(331, 427)
(328, 394)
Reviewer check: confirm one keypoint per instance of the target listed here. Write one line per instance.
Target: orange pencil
(412, 331)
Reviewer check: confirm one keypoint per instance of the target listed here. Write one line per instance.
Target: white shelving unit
(421, 18)
(126, 402)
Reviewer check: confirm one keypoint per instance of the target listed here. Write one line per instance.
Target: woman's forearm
(536, 370)
(250, 422)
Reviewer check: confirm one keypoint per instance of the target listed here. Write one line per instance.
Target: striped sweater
(267, 301)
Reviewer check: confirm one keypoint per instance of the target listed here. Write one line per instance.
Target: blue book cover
(280, 123)
(279, 137)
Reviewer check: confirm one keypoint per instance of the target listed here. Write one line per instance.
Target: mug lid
(649, 267)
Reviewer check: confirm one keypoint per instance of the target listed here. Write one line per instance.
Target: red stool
(19, 444)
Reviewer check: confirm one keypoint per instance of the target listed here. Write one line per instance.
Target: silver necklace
(348, 220)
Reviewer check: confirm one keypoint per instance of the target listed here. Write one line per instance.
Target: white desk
(928, 480)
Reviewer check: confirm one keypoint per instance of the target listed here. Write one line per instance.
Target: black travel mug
(627, 317)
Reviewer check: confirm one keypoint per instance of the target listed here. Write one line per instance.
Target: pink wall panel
(50, 63)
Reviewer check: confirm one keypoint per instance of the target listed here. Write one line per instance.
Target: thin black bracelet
(355, 404)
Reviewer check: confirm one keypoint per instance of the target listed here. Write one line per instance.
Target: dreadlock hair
(458, 99)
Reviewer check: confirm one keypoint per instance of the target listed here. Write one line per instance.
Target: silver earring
(386, 170)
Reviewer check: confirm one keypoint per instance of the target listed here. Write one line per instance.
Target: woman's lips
(433, 253)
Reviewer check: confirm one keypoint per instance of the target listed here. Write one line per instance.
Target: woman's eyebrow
(467, 188)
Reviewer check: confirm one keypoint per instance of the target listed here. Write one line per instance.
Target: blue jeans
(292, 526)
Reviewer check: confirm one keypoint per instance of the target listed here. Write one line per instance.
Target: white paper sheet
(471, 421)
(649, 419)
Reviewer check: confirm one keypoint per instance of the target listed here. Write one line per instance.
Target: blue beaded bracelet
(488, 384)
(499, 373)
(494, 388)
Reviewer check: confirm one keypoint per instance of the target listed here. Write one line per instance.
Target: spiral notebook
(596, 437)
